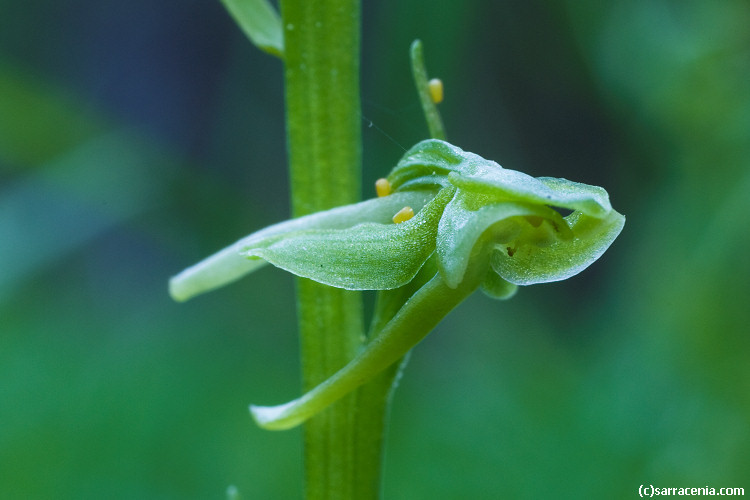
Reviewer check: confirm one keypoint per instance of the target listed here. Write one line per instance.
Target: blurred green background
(138, 137)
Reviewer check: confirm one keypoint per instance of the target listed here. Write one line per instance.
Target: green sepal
(367, 256)
(493, 180)
(433, 160)
(227, 265)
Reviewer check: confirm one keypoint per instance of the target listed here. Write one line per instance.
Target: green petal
(530, 264)
(368, 256)
(227, 265)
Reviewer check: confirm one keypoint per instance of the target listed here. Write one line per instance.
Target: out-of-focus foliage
(136, 137)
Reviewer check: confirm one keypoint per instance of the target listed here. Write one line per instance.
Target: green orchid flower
(476, 225)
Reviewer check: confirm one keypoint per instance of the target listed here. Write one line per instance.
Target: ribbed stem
(321, 54)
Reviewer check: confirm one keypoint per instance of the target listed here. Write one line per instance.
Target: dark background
(138, 137)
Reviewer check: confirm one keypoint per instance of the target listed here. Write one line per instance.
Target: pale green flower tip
(177, 291)
(215, 271)
(276, 418)
(186, 285)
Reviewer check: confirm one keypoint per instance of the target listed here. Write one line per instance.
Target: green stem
(321, 55)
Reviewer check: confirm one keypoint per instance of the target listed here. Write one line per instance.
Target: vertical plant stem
(322, 40)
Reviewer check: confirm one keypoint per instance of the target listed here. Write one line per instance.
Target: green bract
(482, 225)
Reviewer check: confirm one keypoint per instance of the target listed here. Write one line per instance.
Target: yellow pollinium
(382, 187)
(403, 215)
(435, 86)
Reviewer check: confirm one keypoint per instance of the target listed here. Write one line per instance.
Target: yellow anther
(382, 187)
(436, 90)
(403, 215)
